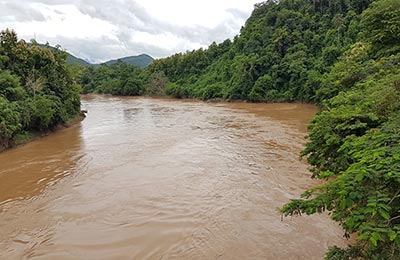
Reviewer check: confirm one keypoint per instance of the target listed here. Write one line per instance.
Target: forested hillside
(354, 142)
(118, 78)
(37, 90)
(280, 55)
(142, 60)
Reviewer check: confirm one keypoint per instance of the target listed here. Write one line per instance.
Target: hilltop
(142, 60)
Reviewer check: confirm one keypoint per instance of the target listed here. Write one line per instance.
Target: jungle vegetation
(119, 78)
(354, 142)
(37, 89)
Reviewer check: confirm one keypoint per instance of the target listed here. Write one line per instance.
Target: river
(144, 178)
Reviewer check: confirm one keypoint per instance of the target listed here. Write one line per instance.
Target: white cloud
(179, 12)
(65, 20)
(125, 27)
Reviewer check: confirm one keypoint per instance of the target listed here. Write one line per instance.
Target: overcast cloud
(99, 30)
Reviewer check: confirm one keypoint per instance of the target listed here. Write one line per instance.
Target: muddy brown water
(145, 178)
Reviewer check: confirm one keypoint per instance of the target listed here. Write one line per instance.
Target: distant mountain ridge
(71, 59)
(142, 60)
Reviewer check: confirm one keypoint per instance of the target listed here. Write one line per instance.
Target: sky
(99, 30)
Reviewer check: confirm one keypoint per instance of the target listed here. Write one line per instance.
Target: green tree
(382, 26)
(354, 145)
(37, 91)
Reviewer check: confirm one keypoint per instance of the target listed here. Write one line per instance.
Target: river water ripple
(144, 178)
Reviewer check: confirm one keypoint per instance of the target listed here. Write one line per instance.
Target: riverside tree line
(37, 90)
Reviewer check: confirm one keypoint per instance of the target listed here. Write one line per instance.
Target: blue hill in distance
(142, 60)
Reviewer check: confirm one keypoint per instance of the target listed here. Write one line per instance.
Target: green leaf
(384, 214)
(373, 241)
(359, 177)
(375, 237)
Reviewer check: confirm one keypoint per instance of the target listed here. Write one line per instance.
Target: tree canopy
(354, 141)
(117, 79)
(280, 55)
(37, 90)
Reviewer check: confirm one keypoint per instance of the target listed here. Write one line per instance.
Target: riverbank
(27, 137)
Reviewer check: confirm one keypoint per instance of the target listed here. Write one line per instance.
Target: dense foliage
(280, 55)
(118, 79)
(354, 142)
(37, 90)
